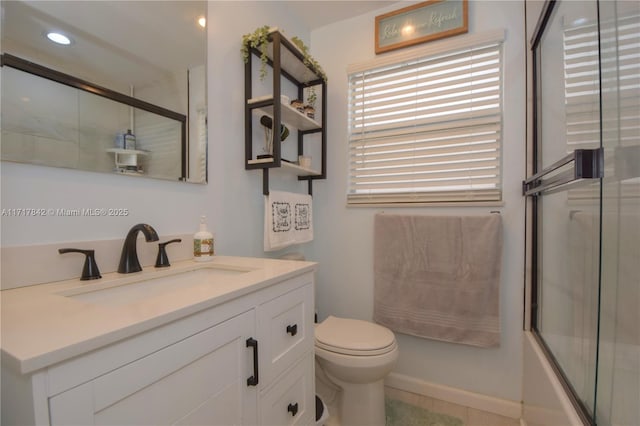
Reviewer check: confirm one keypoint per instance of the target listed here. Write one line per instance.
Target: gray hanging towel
(438, 277)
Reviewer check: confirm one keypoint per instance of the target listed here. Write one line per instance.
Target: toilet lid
(351, 336)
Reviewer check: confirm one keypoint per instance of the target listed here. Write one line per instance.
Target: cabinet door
(201, 380)
(286, 327)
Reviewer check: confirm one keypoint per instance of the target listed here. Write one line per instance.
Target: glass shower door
(566, 191)
(618, 390)
(586, 203)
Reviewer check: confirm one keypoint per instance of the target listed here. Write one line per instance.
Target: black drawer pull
(293, 409)
(292, 329)
(253, 380)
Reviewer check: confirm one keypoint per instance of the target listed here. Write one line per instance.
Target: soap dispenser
(203, 243)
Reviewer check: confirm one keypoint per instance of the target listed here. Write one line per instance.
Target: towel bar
(265, 183)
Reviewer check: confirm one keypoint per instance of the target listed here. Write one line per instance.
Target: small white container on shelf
(304, 161)
(127, 160)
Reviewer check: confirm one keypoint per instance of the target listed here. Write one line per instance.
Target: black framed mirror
(121, 79)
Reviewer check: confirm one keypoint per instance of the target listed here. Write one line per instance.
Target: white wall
(233, 198)
(344, 248)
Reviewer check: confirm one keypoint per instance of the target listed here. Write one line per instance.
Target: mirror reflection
(147, 116)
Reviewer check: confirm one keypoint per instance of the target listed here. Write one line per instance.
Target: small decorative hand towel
(287, 219)
(439, 276)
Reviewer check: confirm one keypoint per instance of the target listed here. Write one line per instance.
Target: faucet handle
(90, 270)
(163, 260)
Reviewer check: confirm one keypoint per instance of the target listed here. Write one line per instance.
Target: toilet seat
(354, 337)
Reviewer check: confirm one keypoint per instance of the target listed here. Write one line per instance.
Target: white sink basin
(124, 291)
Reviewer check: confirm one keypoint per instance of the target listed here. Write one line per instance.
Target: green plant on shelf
(259, 39)
(312, 96)
(308, 60)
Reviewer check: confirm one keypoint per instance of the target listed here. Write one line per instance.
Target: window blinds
(427, 129)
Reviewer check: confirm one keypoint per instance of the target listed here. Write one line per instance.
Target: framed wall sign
(421, 22)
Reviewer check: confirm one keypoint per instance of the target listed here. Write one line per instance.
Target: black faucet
(90, 270)
(129, 258)
(162, 260)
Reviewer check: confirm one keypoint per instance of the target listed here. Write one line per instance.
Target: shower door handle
(586, 164)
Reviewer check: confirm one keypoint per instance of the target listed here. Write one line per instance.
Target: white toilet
(356, 356)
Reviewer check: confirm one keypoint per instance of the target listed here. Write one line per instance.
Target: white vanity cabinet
(196, 370)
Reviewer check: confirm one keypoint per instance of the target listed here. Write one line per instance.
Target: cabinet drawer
(285, 325)
(291, 400)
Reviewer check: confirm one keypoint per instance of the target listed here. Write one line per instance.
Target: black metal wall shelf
(286, 61)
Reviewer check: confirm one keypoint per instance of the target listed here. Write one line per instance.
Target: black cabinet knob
(292, 329)
(293, 409)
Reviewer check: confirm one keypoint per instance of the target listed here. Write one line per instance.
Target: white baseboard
(502, 407)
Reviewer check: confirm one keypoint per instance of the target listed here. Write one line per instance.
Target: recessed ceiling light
(202, 21)
(58, 38)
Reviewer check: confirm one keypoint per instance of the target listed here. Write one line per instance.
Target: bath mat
(403, 414)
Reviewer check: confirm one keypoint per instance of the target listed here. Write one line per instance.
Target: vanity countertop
(45, 324)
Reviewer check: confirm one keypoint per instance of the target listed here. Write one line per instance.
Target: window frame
(427, 52)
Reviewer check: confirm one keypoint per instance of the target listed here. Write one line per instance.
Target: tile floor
(469, 416)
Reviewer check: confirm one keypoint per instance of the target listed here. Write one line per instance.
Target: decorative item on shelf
(310, 107)
(126, 140)
(259, 39)
(125, 154)
(304, 161)
(310, 111)
(298, 105)
(128, 161)
(312, 96)
(267, 123)
(309, 60)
